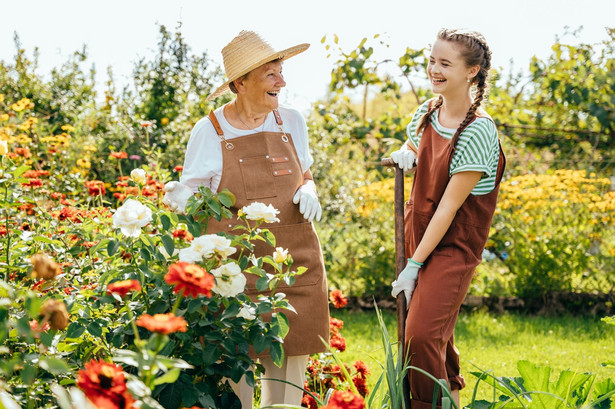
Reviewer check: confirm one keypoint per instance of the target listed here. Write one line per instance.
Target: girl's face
(447, 69)
(262, 85)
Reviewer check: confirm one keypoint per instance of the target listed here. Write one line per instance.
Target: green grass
(496, 343)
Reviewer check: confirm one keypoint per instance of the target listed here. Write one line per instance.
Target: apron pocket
(258, 181)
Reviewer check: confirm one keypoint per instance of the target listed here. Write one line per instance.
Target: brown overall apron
(264, 167)
(445, 277)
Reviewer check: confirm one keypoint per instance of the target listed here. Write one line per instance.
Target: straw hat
(246, 52)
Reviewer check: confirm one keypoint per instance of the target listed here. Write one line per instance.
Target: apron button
(267, 157)
(240, 160)
(290, 171)
(275, 173)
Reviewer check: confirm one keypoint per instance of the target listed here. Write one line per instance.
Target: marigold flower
(23, 152)
(345, 400)
(95, 187)
(361, 384)
(335, 324)
(54, 312)
(118, 155)
(104, 384)
(43, 267)
(190, 278)
(163, 323)
(337, 342)
(123, 287)
(338, 299)
(361, 368)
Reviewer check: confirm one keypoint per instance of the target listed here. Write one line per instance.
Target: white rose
(131, 217)
(4, 147)
(247, 312)
(280, 255)
(200, 248)
(222, 246)
(229, 280)
(260, 211)
(138, 175)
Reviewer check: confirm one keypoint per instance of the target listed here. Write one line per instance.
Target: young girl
(460, 163)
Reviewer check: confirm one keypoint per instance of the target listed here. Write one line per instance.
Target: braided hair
(474, 51)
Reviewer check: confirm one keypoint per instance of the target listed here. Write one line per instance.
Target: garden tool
(400, 263)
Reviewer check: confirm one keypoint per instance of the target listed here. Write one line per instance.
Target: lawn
(496, 343)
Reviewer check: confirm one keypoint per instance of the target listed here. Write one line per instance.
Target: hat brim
(278, 55)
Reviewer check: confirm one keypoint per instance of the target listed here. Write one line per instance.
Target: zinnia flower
(118, 155)
(229, 280)
(43, 267)
(104, 384)
(190, 278)
(131, 217)
(95, 187)
(337, 342)
(54, 312)
(345, 400)
(260, 211)
(123, 287)
(338, 299)
(163, 323)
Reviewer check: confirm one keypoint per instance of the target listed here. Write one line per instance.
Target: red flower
(338, 299)
(33, 183)
(105, 385)
(361, 368)
(3, 231)
(178, 168)
(24, 152)
(361, 384)
(123, 287)
(118, 155)
(57, 195)
(345, 400)
(335, 324)
(183, 234)
(338, 342)
(95, 187)
(309, 402)
(163, 323)
(190, 278)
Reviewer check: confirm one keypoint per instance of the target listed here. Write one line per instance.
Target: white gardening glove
(176, 196)
(406, 280)
(405, 158)
(309, 206)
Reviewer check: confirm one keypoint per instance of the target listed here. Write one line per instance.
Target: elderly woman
(259, 151)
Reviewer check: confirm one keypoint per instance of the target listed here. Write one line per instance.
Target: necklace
(246, 125)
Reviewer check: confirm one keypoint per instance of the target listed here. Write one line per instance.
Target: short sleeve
(477, 148)
(411, 134)
(203, 159)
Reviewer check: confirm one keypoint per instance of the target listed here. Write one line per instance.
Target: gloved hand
(176, 196)
(406, 280)
(309, 206)
(404, 157)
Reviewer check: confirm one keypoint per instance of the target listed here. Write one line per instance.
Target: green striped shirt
(478, 147)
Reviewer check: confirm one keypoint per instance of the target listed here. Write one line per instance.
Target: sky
(118, 33)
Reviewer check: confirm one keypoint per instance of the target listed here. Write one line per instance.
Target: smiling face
(447, 69)
(261, 87)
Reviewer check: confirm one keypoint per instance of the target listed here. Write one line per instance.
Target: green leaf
(262, 284)
(277, 354)
(168, 377)
(112, 247)
(166, 222)
(75, 330)
(282, 322)
(95, 329)
(54, 365)
(20, 171)
(226, 198)
(145, 254)
(168, 243)
(269, 237)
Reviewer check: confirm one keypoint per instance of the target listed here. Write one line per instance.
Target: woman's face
(447, 69)
(261, 87)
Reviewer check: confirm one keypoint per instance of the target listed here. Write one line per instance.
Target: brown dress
(264, 167)
(445, 277)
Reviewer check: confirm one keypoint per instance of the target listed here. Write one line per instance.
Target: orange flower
(345, 400)
(24, 152)
(44, 267)
(190, 278)
(118, 155)
(338, 299)
(337, 342)
(33, 183)
(178, 168)
(104, 384)
(123, 287)
(54, 312)
(183, 234)
(163, 323)
(95, 187)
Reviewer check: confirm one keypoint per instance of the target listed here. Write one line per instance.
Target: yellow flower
(1, 97)
(164, 121)
(4, 117)
(21, 105)
(84, 163)
(68, 128)
(23, 139)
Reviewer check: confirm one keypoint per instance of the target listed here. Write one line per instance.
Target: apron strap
(278, 118)
(215, 123)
